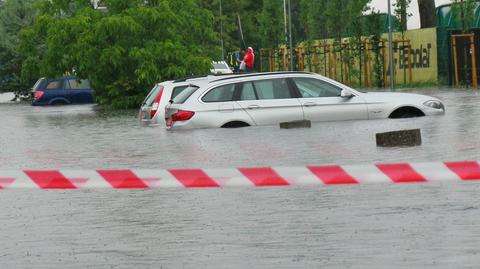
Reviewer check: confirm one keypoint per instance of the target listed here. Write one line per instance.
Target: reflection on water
(371, 226)
(82, 137)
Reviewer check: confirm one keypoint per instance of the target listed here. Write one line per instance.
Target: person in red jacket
(249, 59)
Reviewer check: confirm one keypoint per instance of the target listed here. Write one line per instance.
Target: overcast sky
(414, 20)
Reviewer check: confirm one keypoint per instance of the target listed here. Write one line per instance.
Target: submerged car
(272, 98)
(152, 110)
(62, 91)
(220, 67)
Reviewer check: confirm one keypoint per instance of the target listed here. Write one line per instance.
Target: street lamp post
(390, 49)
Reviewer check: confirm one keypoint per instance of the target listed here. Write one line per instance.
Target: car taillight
(156, 103)
(38, 95)
(182, 115)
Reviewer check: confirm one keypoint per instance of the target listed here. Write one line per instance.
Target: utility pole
(390, 47)
(285, 20)
(221, 32)
(290, 33)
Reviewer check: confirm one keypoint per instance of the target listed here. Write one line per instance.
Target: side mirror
(346, 94)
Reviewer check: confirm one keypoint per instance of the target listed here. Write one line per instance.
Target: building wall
(423, 55)
(415, 59)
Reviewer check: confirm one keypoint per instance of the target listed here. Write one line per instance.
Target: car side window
(53, 84)
(71, 84)
(272, 89)
(248, 92)
(83, 84)
(311, 88)
(220, 94)
(177, 90)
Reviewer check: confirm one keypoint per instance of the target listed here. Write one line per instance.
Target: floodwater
(432, 225)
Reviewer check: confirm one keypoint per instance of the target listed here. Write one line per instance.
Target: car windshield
(185, 94)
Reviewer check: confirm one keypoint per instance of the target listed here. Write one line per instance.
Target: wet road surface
(372, 226)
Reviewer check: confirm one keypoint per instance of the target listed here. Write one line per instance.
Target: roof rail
(187, 78)
(200, 76)
(262, 74)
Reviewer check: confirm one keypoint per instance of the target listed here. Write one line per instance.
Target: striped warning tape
(254, 177)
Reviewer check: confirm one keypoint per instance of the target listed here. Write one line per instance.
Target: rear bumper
(181, 125)
(156, 120)
(40, 103)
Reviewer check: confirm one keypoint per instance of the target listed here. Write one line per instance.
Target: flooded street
(369, 226)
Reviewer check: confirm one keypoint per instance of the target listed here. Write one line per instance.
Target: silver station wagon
(272, 98)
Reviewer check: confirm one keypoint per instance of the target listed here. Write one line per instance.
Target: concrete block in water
(296, 124)
(408, 138)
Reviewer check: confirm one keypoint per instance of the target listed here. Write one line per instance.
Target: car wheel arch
(406, 112)
(59, 101)
(235, 124)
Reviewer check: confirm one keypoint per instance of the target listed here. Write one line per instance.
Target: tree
(464, 12)
(313, 19)
(373, 27)
(401, 7)
(245, 11)
(272, 25)
(14, 15)
(123, 51)
(427, 13)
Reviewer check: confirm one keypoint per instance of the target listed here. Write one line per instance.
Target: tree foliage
(263, 22)
(14, 15)
(136, 43)
(271, 23)
(464, 11)
(314, 21)
(239, 18)
(123, 51)
(401, 7)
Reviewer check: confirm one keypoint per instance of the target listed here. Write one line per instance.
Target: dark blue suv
(62, 91)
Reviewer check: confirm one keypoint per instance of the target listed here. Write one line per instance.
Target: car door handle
(310, 104)
(253, 107)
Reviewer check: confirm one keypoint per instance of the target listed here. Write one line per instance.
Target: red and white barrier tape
(252, 177)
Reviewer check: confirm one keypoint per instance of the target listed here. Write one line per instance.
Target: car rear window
(185, 94)
(37, 84)
(151, 96)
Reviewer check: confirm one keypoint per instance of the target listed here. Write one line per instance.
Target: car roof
(260, 74)
(212, 78)
(208, 77)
